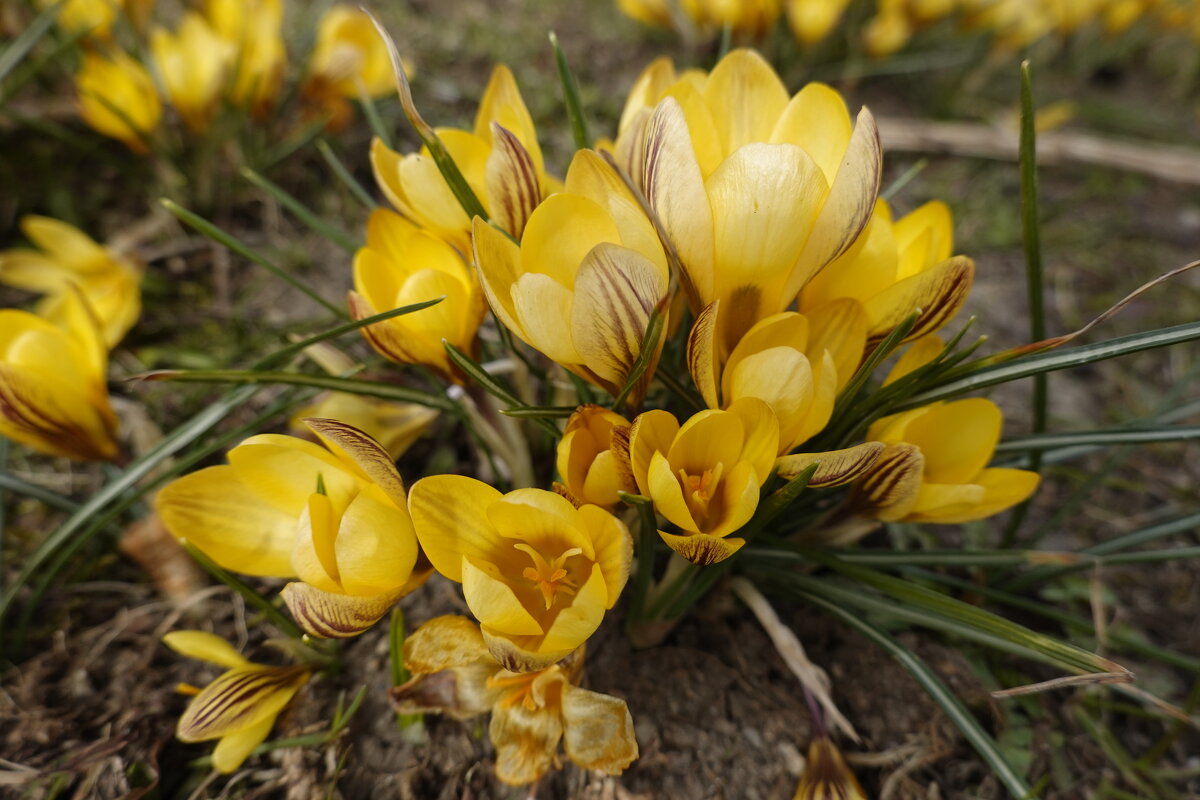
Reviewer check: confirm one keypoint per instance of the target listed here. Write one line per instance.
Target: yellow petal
(648, 89)
(229, 522)
(235, 747)
(206, 647)
(863, 271)
(706, 439)
(919, 353)
(493, 601)
(702, 549)
(67, 245)
(613, 546)
(848, 206)
(652, 432)
(376, 546)
(590, 177)
(761, 441)
(385, 163)
(834, 468)
(363, 452)
(957, 438)
(498, 260)
(817, 120)
(890, 487)
(992, 491)
(283, 471)
(543, 519)
(784, 380)
(932, 221)
(526, 742)
(663, 487)
(825, 388)
(615, 292)
(703, 354)
(544, 308)
(449, 514)
(598, 731)
(841, 329)
(502, 103)
(513, 188)
(939, 293)
(313, 556)
(327, 615)
(739, 492)
(575, 623)
(746, 98)
(238, 699)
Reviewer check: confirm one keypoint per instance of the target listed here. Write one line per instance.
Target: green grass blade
(1026, 366)
(495, 388)
(221, 237)
(252, 598)
(570, 91)
(11, 483)
(384, 391)
(302, 212)
(19, 47)
(974, 733)
(547, 412)
(346, 176)
(1033, 247)
(654, 331)
(904, 179)
(884, 349)
(1115, 436)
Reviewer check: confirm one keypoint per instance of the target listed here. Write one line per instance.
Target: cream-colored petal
(544, 308)
(449, 514)
(364, 453)
(513, 187)
(939, 292)
(229, 522)
(746, 98)
(526, 742)
(703, 354)
(598, 731)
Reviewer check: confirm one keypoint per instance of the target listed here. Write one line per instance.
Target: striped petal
(239, 699)
(939, 293)
(834, 468)
(702, 549)
(328, 615)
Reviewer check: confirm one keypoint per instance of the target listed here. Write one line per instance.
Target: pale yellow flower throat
(698, 489)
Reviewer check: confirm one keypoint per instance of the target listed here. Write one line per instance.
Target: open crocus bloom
(117, 98)
(757, 192)
(67, 257)
(52, 382)
(583, 282)
(349, 53)
(401, 265)
(239, 707)
(454, 673)
(194, 63)
(536, 572)
(705, 475)
(895, 267)
(794, 363)
(335, 518)
(590, 468)
(500, 160)
(935, 466)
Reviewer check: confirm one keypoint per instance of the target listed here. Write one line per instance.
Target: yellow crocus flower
(587, 274)
(68, 260)
(335, 517)
(500, 160)
(255, 29)
(811, 21)
(886, 32)
(240, 706)
(896, 267)
(52, 383)
(93, 17)
(454, 673)
(758, 192)
(705, 475)
(590, 468)
(194, 63)
(402, 264)
(793, 362)
(394, 425)
(118, 98)
(648, 12)
(350, 53)
(536, 572)
(935, 466)
(750, 17)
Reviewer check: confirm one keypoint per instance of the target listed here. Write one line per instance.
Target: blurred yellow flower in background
(500, 160)
(67, 257)
(240, 706)
(454, 673)
(536, 572)
(587, 274)
(118, 98)
(939, 455)
(590, 468)
(52, 382)
(95, 18)
(811, 21)
(349, 53)
(402, 264)
(335, 517)
(195, 64)
(705, 475)
(255, 29)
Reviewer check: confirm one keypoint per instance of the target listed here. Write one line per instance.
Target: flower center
(518, 688)
(550, 576)
(698, 490)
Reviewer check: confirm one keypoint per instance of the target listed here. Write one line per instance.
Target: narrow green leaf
(371, 112)
(546, 412)
(882, 350)
(282, 355)
(778, 501)
(904, 179)
(302, 212)
(570, 91)
(396, 635)
(34, 67)
(27, 39)
(221, 237)
(654, 330)
(1033, 248)
(252, 597)
(345, 176)
(384, 391)
(1026, 366)
(983, 743)
(12, 483)
(493, 387)
(1114, 436)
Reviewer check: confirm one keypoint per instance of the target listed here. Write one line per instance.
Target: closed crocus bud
(500, 160)
(52, 383)
(584, 280)
(935, 466)
(813, 20)
(349, 53)
(705, 475)
(532, 712)
(67, 261)
(886, 32)
(536, 572)
(826, 775)
(591, 470)
(401, 265)
(195, 64)
(649, 12)
(240, 706)
(757, 191)
(334, 518)
(117, 98)
(794, 363)
(896, 267)
(255, 29)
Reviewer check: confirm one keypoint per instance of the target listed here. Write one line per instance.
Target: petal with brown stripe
(364, 452)
(939, 292)
(513, 188)
(335, 616)
(890, 489)
(834, 468)
(703, 355)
